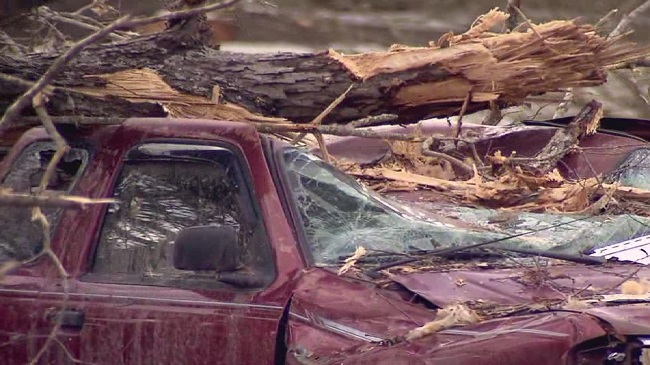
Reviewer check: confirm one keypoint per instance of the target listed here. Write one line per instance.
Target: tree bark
(412, 83)
(288, 85)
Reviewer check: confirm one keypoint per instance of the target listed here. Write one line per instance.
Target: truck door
(138, 308)
(32, 298)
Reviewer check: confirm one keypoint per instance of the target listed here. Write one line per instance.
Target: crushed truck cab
(224, 248)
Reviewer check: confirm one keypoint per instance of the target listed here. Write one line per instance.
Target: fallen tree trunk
(172, 74)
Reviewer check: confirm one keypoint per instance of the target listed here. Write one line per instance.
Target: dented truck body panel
(351, 322)
(307, 314)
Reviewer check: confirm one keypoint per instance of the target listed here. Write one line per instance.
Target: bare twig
(48, 200)
(323, 147)
(16, 108)
(511, 9)
(563, 107)
(627, 19)
(89, 6)
(336, 130)
(606, 18)
(343, 130)
(564, 140)
(10, 43)
(37, 215)
(319, 118)
(627, 277)
(57, 17)
(373, 120)
(463, 109)
(495, 115)
(61, 145)
(179, 14)
(53, 34)
(426, 150)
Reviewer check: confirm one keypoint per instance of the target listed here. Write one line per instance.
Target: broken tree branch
(168, 75)
(16, 108)
(513, 20)
(319, 118)
(563, 107)
(61, 145)
(584, 124)
(75, 20)
(563, 142)
(426, 151)
(373, 120)
(47, 200)
(628, 18)
(342, 130)
(181, 14)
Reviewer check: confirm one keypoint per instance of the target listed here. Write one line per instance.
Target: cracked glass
(338, 214)
(20, 237)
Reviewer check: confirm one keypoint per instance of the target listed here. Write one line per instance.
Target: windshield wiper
(376, 257)
(578, 258)
(443, 252)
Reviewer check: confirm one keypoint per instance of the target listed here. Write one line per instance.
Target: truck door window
(20, 238)
(162, 189)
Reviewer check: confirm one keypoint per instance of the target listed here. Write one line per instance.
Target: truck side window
(162, 189)
(20, 238)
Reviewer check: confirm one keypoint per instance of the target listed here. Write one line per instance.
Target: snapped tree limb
(172, 74)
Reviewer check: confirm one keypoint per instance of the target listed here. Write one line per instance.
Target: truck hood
(516, 286)
(346, 320)
(519, 288)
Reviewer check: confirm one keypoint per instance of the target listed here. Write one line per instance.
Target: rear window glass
(20, 238)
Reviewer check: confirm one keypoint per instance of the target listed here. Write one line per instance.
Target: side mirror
(213, 248)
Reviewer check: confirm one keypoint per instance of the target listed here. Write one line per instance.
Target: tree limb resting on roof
(172, 74)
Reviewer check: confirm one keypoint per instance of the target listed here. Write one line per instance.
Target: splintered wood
(497, 67)
(516, 190)
(509, 182)
(164, 75)
(145, 85)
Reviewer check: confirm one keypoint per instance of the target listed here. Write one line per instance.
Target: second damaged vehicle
(230, 247)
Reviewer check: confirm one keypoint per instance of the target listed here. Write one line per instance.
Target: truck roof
(179, 127)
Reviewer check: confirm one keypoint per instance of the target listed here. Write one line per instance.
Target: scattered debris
(573, 303)
(453, 315)
(636, 287)
(350, 261)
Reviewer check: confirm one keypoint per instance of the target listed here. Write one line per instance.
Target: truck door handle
(69, 318)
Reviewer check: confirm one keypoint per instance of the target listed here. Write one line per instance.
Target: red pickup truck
(225, 244)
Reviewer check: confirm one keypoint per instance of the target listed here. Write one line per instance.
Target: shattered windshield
(338, 214)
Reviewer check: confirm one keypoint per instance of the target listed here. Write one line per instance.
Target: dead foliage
(451, 316)
(507, 182)
(515, 190)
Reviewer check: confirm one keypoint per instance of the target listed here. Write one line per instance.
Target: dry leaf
(350, 261)
(576, 304)
(633, 287)
(497, 158)
(447, 317)
(6, 267)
